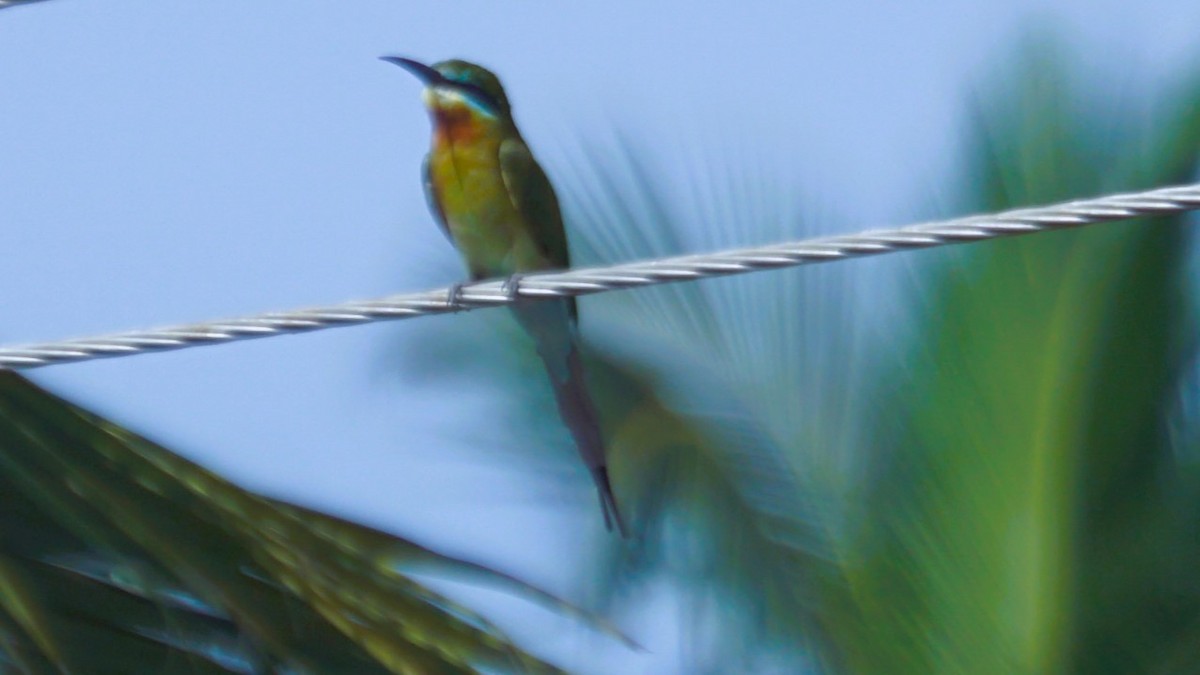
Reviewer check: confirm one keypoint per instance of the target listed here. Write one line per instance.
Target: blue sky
(163, 162)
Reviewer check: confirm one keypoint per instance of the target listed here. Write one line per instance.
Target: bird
(494, 202)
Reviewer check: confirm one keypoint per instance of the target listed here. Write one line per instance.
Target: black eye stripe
(479, 93)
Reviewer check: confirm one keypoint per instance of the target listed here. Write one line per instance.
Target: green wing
(533, 196)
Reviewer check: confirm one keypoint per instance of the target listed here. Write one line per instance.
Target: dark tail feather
(608, 502)
(579, 414)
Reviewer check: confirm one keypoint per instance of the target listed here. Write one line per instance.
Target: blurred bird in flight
(496, 205)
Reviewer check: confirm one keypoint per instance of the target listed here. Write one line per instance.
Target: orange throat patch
(455, 125)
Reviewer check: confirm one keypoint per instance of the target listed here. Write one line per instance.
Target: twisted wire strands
(585, 281)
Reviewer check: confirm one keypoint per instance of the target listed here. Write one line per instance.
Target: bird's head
(458, 86)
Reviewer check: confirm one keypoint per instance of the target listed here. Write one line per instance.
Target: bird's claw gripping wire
(454, 296)
(512, 287)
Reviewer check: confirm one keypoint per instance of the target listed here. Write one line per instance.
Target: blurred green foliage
(118, 556)
(1030, 510)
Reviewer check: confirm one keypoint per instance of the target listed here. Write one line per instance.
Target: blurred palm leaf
(724, 408)
(14, 3)
(118, 556)
(1029, 513)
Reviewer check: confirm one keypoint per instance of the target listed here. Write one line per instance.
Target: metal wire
(595, 280)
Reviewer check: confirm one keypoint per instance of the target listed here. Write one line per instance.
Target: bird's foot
(454, 296)
(512, 287)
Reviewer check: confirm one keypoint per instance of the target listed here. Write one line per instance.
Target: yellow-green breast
(464, 167)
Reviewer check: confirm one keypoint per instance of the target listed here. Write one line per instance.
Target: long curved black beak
(423, 72)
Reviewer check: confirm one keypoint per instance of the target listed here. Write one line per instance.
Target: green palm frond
(119, 556)
(1029, 513)
(722, 416)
